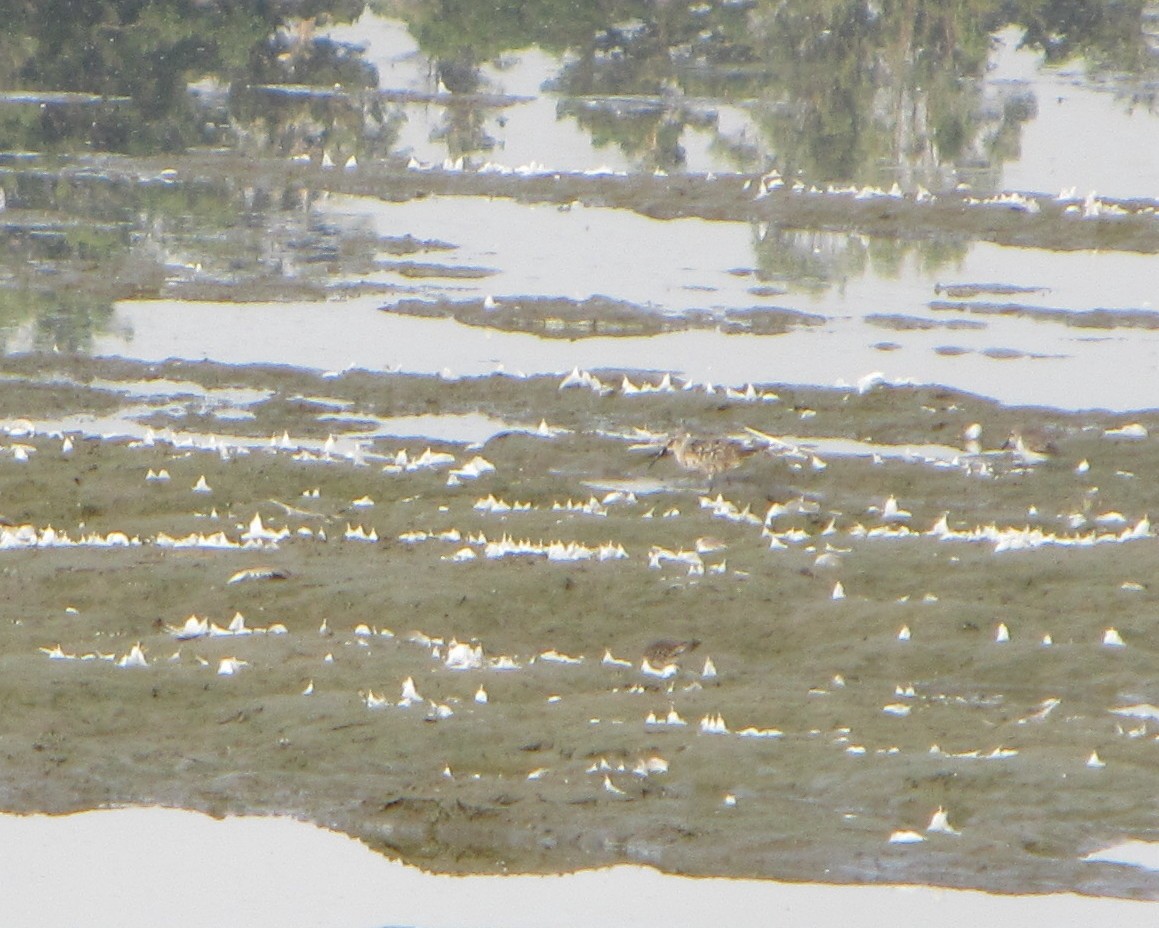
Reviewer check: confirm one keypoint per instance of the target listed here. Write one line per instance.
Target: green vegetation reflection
(840, 91)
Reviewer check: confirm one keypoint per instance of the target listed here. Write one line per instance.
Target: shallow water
(1062, 145)
(129, 868)
(353, 334)
(681, 264)
(530, 130)
(1042, 317)
(1065, 144)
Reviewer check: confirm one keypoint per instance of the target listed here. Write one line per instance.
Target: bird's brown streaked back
(707, 456)
(666, 650)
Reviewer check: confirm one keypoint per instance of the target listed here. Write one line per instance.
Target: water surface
(128, 868)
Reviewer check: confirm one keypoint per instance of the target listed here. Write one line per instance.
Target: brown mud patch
(899, 322)
(995, 354)
(1079, 319)
(965, 291)
(553, 317)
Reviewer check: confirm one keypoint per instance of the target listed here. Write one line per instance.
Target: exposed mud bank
(858, 641)
(563, 318)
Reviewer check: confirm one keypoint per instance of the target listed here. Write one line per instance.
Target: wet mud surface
(1084, 319)
(872, 662)
(417, 608)
(599, 316)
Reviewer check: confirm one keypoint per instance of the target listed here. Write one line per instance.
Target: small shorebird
(1031, 446)
(665, 650)
(707, 456)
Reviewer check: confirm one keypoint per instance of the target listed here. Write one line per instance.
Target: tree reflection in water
(835, 92)
(844, 91)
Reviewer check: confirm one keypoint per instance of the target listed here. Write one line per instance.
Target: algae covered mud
(340, 357)
(240, 590)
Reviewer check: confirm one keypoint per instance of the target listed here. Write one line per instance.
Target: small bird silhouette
(666, 650)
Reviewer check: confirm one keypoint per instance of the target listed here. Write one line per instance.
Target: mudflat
(890, 621)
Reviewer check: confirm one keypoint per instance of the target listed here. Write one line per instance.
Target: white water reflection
(469, 428)
(472, 429)
(542, 251)
(1065, 144)
(571, 253)
(530, 130)
(139, 868)
(682, 264)
(165, 389)
(1144, 854)
(1092, 364)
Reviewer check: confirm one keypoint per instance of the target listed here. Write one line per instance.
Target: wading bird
(666, 650)
(706, 456)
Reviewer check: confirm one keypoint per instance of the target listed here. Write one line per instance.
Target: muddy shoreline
(1029, 219)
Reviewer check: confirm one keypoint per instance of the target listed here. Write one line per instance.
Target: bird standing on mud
(1031, 446)
(706, 456)
(665, 650)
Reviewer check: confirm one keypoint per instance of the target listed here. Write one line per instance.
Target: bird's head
(664, 450)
